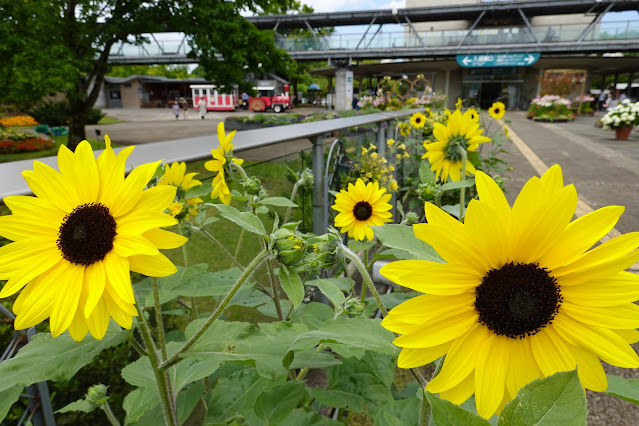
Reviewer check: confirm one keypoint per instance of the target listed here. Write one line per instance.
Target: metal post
(381, 136)
(319, 221)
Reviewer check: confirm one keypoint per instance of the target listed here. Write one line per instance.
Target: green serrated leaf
(79, 405)
(299, 416)
(344, 284)
(403, 238)
(8, 397)
(332, 292)
(46, 358)
(138, 402)
(473, 157)
(262, 210)
(198, 191)
(277, 403)
(356, 246)
(246, 220)
(313, 359)
(363, 333)
(209, 220)
(627, 389)
(425, 173)
(278, 202)
(451, 209)
(445, 413)
(264, 347)
(558, 399)
(292, 285)
(398, 413)
(340, 399)
(313, 315)
(457, 185)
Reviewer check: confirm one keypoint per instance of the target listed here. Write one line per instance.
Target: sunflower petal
(152, 266)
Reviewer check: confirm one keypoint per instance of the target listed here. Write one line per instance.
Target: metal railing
(199, 148)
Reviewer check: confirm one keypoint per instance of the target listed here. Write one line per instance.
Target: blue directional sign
(497, 60)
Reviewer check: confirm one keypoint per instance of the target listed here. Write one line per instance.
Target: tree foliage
(53, 46)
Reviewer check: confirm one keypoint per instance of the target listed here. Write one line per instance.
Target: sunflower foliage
(503, 315)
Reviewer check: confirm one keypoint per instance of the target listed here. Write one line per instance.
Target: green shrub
(58, 114)
(94, 116)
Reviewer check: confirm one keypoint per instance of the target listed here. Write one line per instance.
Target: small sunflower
(521, 296)
(444, 156)
(497, 110)
(362, 206)
(418, 120)
(175, 174)
(404, 129)
(458, 104)
(78, 238)
(472, 114)
(429, 113)
(506, 131)
(222, 158)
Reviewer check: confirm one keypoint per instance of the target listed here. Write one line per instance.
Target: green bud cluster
(411, 218)
(97, 394)
(252, 185)
(305, 252)
(428, 191)
(289, 244)
(353, 307)
(307, 179)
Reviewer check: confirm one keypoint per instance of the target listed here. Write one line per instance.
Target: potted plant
(622, 118)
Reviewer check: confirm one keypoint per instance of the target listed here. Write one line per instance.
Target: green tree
(63, 45)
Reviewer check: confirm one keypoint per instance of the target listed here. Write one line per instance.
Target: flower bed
(18, 120)
(13, 142)
(550, 108)
(625, 114)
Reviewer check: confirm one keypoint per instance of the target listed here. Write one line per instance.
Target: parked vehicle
(215, 99)
(267, 99)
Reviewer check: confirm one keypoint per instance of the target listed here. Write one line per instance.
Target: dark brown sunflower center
(86, 234)
(496, 110)
(517, 300)
(418, 120)
(362, 210)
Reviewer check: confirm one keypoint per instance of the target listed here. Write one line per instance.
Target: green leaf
(292, 285)
(403, 238)
(278, 202)
(277, 403)
(425, 173)
(198, 191)
(340, 399)
(313, 315)
(344, 284)
(264, 347)
(313, 359)
(473, 157)
(399, 413)
(368, 379)
(390, 300)
(79, 405)
(46, 358)
(8, 397)
(262, 210)
(457, 185)
(356, 246)
(309, 418)
(445, 413)
(558, 399)
(246, 220)
(138, 402)
(235, 392)
(364, 333)
(627, 389)
(331, 291)
(451, 209)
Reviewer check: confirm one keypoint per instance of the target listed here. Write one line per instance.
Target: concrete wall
(130, 95)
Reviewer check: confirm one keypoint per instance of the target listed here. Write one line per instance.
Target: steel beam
(481, 15)
(525, 19)
(365, 32)
(415, 31)
(593, 23)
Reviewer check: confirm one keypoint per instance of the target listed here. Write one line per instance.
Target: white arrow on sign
(467, 60)
(529, 59)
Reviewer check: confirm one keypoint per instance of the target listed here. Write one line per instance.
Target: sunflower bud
(307, 179)
(289, 245)
(411, 218)
(428, 191)
(97, 394)
(353, 307)
(252, 186)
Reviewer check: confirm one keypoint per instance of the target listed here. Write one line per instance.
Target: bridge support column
(343, 89)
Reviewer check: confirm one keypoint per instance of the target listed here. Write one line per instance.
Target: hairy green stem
(257, 261)
(362, 296)
(424, 415)
(271, 277)
(158, 317)
(293, 194)
(366, 278)
(238, 245)
(166, 401)
(137, 346)
(107, 410)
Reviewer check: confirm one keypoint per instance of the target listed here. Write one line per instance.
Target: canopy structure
(314, 86)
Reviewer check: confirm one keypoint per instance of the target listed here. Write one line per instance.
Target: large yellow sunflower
(497, 110)
(78, 238)
(222, 158)
(459, 131)
(362, 206)
(418, 120)
(175, 174)
(521, 295)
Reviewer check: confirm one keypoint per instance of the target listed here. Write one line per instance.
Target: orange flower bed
(8, 146)
(18, 120)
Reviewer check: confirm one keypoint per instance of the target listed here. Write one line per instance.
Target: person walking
(176, 110)
(202, 107)
(185, 108)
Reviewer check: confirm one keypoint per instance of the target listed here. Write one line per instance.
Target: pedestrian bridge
(622, 36)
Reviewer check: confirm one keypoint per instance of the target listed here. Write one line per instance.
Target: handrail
(199, 148)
